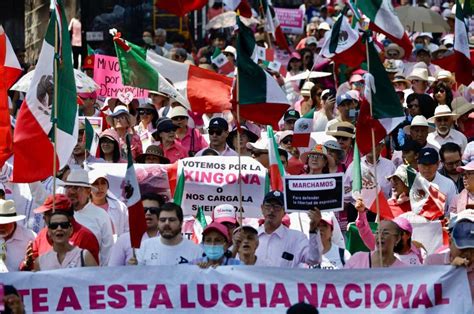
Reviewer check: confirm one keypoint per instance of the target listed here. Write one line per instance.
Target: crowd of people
(89, 225)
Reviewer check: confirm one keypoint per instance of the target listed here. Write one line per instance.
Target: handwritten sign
(107, 75)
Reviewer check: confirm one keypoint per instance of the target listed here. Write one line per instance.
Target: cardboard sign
(212, 180)
(291, 20)
(107, 75)
(324, 191)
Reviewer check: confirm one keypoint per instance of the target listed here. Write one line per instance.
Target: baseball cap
(463, 231)
(401, 173)
(220, 228)
(403, 224)
(341, 98)
(311, 40)
(291, 115)
(468, 167)
(274, 195)
(246, 227)
(62, 203)
(218, 123)
(428, 156)
(224, 213)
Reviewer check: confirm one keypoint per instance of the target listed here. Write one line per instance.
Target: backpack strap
(370, 260)
(82, 258)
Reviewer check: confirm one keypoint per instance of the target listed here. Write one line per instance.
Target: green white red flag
(277, 172)
(34, 130)
(10, 71)
(426, 199)
(302, 130)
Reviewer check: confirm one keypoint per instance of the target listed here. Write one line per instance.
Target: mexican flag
(366, 187)
(223, 65)
(194, 83)
(302, 130)
(343, 44)
(272, 24)
(92, 138)
(461, 44)
(10, 71)
(137, 72)
(34, 130)
(277, 172)
(131, 191)
(199, 225)
(384, 20)
(260, 98)
(242, 6)
(426, 199)
(387, 112)
(179, 190)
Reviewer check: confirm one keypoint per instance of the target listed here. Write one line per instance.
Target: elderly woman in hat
(335, 156)
(63, 254)
(101, 197)
(14, 238)
(246, 136)
(148, 117)
(109, 147)
(190, 138)
(153, 155)
(215, 243)
(344, 132)
(285, 140)
(122, 122)
(166, 134)
(316, 160)
(461, 248)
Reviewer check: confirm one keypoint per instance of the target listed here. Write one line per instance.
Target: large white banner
(214, 180)
(189, 289)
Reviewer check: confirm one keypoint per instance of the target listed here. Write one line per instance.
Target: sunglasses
(287, 140)
(145, 112)
(152, 210)
(442, 91)
(63, 225)
(342, 138)
(216, 132)
(179, 118)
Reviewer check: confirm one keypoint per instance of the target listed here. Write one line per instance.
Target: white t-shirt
(332, 258)
(154, 252)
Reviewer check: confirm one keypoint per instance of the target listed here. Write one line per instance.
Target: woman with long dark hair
(442, 94)
(109, 149)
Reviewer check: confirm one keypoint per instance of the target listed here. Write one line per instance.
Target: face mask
(353, 113)
(419, 46)
(213, 252)
(148, 40)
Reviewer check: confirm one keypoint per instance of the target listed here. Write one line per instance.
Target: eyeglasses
(120, 117)
(152, 210)
(216, 132)
(384, 233)
(269, 206)
(287, 140)
(179, 118)
(145, 112)
(56, 225)
(453, 163)
(412, 105)
(315, 156)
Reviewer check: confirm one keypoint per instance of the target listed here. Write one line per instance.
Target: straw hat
(77, 177)
(442, 111)
(120, 109)
(178, 111)
(8, 212)
(306, 89)
(344, 129)
(394, 51)
(444, 74)
(418, 121)
(418, 74)
(400, 78)
(152, 150)
(318, 149)
(461, 106)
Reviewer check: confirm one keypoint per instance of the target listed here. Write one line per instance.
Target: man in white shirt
(282, 247)
(428, 164)
(122, 252)
(78, 189)
(444, 120)
(170, 248)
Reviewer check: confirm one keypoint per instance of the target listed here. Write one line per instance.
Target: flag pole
(239, 151)
(55, 106)
(377, 203)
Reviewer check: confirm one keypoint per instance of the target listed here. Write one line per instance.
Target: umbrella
(84, 84)
(419, 19)
(312, 75)
(228, 19)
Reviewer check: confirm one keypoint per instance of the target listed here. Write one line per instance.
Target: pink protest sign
(291, 20)
(107, 75)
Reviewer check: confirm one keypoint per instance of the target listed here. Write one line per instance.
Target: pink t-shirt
(361, 260)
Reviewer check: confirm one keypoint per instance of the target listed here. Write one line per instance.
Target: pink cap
(468, 167)
(359, 71)
(356, 78)
(295, 55)
(220, 228)
(404, 224)
(224, 213)
(88, 95)
(328, 220)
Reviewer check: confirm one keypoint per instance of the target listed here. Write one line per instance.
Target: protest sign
(189, 289)
(324, 191)
(213, 180)
(107, 75)
(151, 178)
(291, 20)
